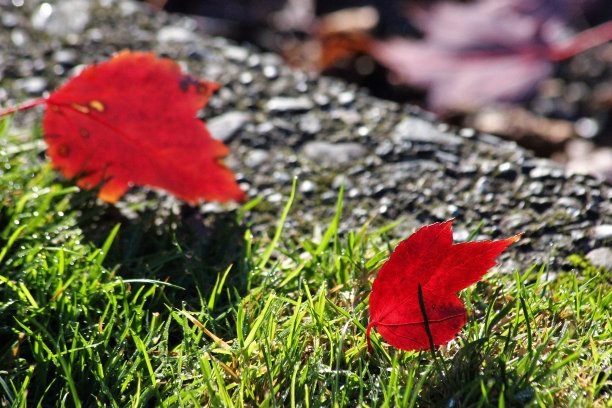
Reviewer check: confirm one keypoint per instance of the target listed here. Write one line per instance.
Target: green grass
(144, 307)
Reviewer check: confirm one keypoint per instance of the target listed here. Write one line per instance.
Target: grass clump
(101, 309)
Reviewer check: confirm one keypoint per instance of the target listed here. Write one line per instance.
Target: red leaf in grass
(132, 120)
(430, 259)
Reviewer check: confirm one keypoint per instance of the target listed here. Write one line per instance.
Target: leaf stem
(26, 105)
(440, 365)
(554, 52)
(368, 330)
(426, 322)
(581, 42)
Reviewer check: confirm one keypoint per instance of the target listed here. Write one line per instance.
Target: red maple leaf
(132, 121)
(428, 262)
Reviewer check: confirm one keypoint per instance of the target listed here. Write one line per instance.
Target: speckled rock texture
(395, 161)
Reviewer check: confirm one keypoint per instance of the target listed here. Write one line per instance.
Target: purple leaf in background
(481, 52)
(462, 81)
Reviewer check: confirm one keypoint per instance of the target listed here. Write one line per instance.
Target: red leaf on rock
(132, 120)
(430, 259)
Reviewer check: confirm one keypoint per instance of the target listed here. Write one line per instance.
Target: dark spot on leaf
(184, 84)
(84, 133)
(63, 150)
(202, 88)
(199, 86)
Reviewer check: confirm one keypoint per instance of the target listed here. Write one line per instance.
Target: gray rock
(385, 148)
(130, 8)
(286, 104)
(568, 202)
(347, 116)
(346, 97)
(482, 186)
(32, 86)
(275, 198)
(516, 222)
(321, 99)
(281, 177)
(540, 173)
(601, 257)
(468, 170)
(507, 171)
(535, 188)
(226, 125)
(256, 158)
(65, 57)
(419, 130)
(270, 71)
(175, 34)
(62, 18)
(310, 124)
(19, 37)
(235, 53)
(307, 187)
(9, 20)
(339, 180)
(246, 78)
(447, 158)
(602, 232)
(332, 154)
(547, 171)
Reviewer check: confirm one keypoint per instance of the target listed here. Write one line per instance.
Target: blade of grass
(333, 226)
(267, 253)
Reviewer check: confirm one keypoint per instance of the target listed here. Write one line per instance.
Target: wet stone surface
(395, 161)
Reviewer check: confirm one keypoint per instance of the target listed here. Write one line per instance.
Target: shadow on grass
(174, 243)
(476, 371)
